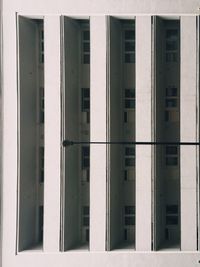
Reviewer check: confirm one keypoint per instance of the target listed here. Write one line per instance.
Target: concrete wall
(71, 124)
(27, 117)
(159, 129)
(115, 133)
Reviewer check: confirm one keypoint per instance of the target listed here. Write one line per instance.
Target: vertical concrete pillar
(98, 133)
(188, 163)
(143, 133)
(52, 134)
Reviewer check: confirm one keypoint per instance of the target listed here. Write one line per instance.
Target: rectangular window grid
(129, 44)
(171, 214)
(171, 155)
(86, 46)
(171, 45)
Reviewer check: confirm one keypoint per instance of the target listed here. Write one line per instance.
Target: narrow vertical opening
(31, 133)
(167, 173)
(122, 127)
(76, 124)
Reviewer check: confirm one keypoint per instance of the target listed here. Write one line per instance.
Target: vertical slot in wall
(122, 128)
(76, 127)
(167, 120)
(30, 132)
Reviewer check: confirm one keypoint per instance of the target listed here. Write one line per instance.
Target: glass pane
(171, 150)
(86, 210)
(129, 34)
(86, 105)
(129, 220)
(86, 221)
(172, 34)
(130, 103)
(129, 46)
(85, 151)
(171, 91)
(172, 161)
(86, 47)
(85, 92)
(130, 58)
(171, 45)
(171, 103)
(130, 93)
(171, 220)
(86, 163)
(130, 151)
(129, 209)
(86, 35)
(129, 162)
(86, 59)
(173, 209)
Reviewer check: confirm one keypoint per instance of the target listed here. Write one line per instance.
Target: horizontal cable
(70, 143)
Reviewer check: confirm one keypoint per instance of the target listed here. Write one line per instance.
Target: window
(129, 215)
(171, 214)
(86, 46)
(85, 103)
(86, 215)
(41, 44)
(129, 104)
(129, 45)
(85, 157)
(41, 167)
(171, 104)
(41, 221)
(129, 160)
(171, 45)
(86, 222)
(41, 105)
(171, 155)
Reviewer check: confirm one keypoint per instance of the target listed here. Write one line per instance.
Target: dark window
(41, 216)
(129, 35)
(129, 46)
(86, 46)
(172, 91)
(171, 161)
(87, 233)
(85, 157)
(86, 59)
(172, 209)
(85, 99)
(129, 220)
(129, 58)
(171, 150)
(125, 234)
(171, 103)
(41, 164)
(86, 35)
(129, 210)
(86, 210)
(41, 105)
(86, 221)
(171, 220)
(129, 156)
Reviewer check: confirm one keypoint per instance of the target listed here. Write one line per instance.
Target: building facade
(101, 75)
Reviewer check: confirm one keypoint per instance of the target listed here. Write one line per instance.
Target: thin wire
(70, 143)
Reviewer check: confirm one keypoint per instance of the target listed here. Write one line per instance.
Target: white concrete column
(98, 125)
(143, 133)
(188, 163)
(52, 134)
